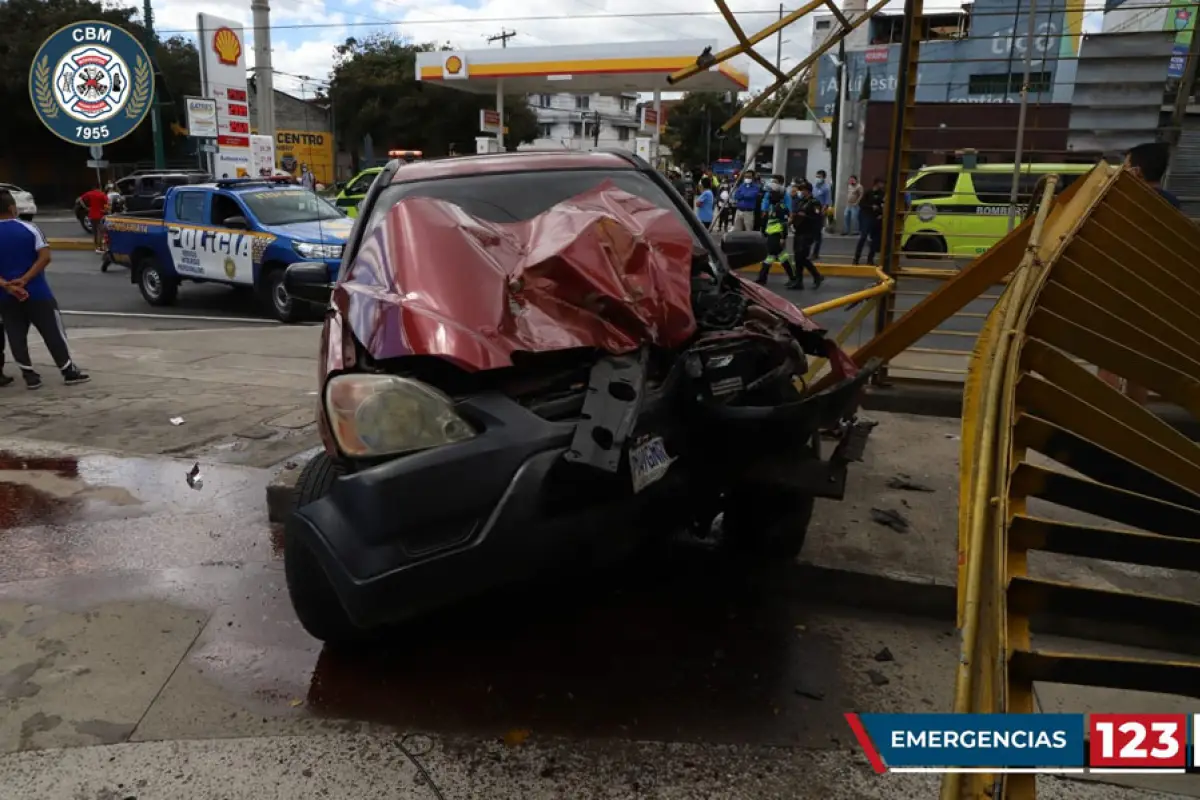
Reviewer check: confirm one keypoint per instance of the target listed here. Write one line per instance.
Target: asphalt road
(90, 298)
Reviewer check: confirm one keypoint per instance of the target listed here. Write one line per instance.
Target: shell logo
(454, 65)
(227, 46)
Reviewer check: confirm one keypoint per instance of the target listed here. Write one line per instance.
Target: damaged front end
(583, 379)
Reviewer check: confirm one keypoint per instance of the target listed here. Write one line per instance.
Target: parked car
(26, 206)
(534, 358)
(242, 232)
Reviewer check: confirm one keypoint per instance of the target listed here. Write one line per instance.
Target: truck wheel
(764, 521)
(313, 599)
(158, 288)
(279, 303)
(924, 245)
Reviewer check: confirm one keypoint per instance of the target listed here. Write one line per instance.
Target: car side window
(360, 185)
(189, 207)
(224, 207)
(126, 186)
(933, 186)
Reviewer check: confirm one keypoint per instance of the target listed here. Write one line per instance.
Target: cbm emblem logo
(91, 83)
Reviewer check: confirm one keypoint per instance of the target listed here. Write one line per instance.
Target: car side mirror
(744, 248)
(339, 186)
(309, 281)
(236, 221)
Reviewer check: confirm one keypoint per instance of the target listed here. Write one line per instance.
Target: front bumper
(422, 531)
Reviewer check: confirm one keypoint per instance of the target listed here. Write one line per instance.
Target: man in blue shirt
(704, 203)
(745, 198)
(26, 299)
(823, 194)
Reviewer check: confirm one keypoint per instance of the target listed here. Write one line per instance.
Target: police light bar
(226, 183)
(407, 154)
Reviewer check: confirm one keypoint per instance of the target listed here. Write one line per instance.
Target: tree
(374, 89)
(694, 129)
(796, 107)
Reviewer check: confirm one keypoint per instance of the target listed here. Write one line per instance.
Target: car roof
(527, 161)
(1034, 167)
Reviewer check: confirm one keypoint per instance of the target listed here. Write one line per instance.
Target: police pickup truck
(243, 232)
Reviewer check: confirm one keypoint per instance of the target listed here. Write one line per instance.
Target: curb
(280, 491)
(886, 592)
(71, 244)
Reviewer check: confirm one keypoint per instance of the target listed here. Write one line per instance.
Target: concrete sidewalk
(246, 395)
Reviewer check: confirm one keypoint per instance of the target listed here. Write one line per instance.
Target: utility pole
(160, 155)
(779, 42)
(503, 36)
(264, 77)
(596, 128)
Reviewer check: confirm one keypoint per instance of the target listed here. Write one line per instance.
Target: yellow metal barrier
(1107, 281)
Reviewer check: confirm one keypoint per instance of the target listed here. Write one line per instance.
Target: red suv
(529, 358)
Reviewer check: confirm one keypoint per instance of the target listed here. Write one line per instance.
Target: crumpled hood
(606, 269)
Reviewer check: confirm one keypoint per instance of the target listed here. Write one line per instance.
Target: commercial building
(585, 121)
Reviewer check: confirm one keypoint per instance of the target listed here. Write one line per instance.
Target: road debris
(884, 655)
(877, 678)
(907, 484)
(194, 479)
(890, 518)
(177, 421)
(516, 737)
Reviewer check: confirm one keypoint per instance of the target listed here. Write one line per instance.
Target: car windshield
(515, 197)
(8, 187)
(285, 206)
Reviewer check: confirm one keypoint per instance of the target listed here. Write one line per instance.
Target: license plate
(648, 462)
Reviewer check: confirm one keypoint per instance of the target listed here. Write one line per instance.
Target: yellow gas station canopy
(580, 69)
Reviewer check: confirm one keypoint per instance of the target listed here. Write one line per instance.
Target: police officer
(808, 215)
(870, 222)
(775, 226)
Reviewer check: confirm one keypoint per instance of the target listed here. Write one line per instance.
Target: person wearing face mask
(823, 194)
(808, 215)
(854, 195)
(745, 200)
(775, 227)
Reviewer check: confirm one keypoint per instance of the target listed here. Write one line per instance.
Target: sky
(305, 32)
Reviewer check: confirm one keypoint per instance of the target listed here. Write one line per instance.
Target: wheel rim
(152, 283)
(283, 301)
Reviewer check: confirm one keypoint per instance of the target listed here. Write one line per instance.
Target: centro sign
(1005, 41)
(292, 138)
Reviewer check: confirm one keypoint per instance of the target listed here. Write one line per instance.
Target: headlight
(309, 250)
(379, 415)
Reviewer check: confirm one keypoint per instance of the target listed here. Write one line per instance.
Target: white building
(1136, 16)
(798, 147)
(569, 121)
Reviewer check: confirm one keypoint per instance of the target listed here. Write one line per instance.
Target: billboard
(953, 71)
(223, 78)
(1181, 18)
(314, 148)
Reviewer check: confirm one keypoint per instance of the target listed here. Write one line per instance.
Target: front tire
(87, 225)
(158, 288)
(279, 303)
(767, 522)
(312, 595)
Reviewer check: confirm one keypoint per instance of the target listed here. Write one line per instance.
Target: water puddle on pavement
(38, 490)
